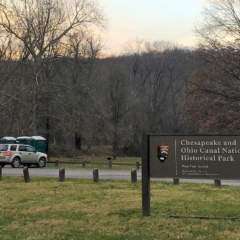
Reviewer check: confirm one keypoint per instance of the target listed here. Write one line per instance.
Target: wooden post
(134, 175)
(57, 163)
(176, 180)
(26, 175)
(83, 164)
(217, 182)
(0, 173)
(137, 165)
(110, 163)
(61, 174)
(145, 176)
(95, 175)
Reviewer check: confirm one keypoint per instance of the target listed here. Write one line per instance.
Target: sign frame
(146, 164)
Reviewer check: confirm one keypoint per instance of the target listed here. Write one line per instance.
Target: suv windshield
(3, 147)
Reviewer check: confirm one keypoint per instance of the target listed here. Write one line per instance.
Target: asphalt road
(69, 173)
(103, 174)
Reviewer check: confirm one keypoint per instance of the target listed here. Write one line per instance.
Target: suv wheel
(42, 162)
(16, 162)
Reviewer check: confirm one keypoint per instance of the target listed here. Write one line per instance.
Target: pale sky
(150, 20)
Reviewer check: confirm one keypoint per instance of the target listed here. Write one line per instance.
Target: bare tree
(212, 98)
(221, 24)
(38, 27)
(212, 95)
(82, 50)
(41, 24)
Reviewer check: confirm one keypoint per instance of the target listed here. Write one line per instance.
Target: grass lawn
(46, 209)
(131, 160)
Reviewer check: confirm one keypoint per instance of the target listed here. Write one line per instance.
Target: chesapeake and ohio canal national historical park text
(195, 156)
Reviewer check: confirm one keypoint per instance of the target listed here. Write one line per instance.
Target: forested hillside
(86, 101)
(55, 82)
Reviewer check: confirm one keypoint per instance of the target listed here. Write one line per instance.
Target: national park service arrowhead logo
(162, 151)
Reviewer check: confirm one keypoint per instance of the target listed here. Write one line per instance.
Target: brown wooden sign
(208, 157)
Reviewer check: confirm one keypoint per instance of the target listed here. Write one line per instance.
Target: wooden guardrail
(109, 163)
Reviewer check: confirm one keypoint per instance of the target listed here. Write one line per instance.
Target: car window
(13, 147)
(3, 147)
(22, 148)
(30, 149)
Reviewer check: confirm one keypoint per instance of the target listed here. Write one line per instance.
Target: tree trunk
(115, 142)
(34, 111)
(78, 141)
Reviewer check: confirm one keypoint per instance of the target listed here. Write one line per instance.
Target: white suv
(20, 154)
